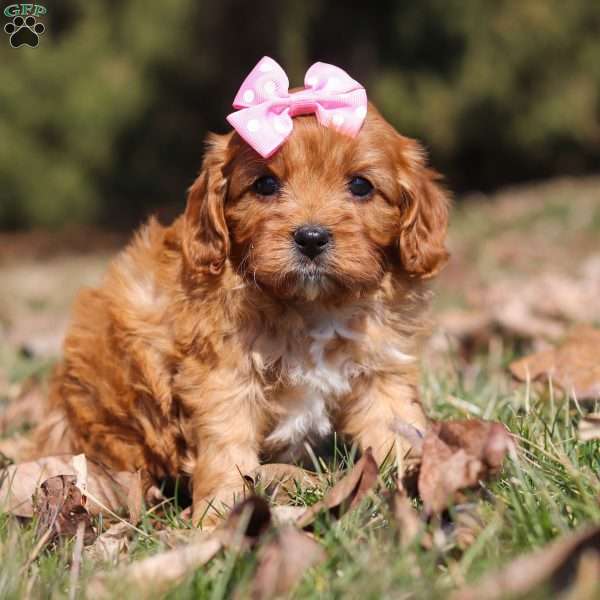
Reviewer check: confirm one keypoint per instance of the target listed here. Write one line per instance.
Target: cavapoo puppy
(284, 304)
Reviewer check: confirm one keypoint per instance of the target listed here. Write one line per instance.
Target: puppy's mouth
(313, 278)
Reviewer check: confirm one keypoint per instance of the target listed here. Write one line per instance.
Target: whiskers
(243, 270)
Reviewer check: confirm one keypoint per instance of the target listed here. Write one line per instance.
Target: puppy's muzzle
(312, 240)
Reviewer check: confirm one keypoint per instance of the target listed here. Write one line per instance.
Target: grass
(549, 487)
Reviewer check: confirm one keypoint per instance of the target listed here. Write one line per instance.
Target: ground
(525, 268)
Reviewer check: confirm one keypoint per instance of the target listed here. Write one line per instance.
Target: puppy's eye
(360, 187)
(268, 185)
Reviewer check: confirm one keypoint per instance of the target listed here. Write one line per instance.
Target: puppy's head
(326, 215)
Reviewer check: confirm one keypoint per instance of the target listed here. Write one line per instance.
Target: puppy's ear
(206, 238)
(425, 206)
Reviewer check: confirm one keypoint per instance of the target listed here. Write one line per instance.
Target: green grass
(547, 488)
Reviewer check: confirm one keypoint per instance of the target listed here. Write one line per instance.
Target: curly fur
(212, 344)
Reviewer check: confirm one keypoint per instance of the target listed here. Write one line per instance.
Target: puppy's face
(326, 215)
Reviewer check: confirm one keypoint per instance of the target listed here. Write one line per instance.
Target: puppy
(284, 304)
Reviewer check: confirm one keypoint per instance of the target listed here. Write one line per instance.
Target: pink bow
(267, 107)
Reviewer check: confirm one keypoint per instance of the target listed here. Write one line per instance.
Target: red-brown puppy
(285, 303)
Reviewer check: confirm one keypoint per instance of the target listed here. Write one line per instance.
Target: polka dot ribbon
(267, 107)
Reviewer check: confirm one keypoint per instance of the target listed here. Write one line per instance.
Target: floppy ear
(206, 238)
(425, 216)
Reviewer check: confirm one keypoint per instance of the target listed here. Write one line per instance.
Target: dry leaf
(587, 580)
(410, 433)
(466, 527)
(283, 561)
(246, 523)
(589, 427)
(18, 484)
(279, 481)
(60, 508)
(346, 493)
(456, 455)
(574, 365)
(539, 308)
(174, 538)
(554, 565)
(409, 524)
(155, 575)
(110, 545)
(287, 514)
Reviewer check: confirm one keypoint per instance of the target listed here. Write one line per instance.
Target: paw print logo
(24, 32)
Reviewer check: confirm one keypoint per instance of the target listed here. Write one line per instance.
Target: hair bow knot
(266, 106)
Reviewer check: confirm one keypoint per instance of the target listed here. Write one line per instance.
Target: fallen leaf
(554, 565)
(60, 509)
(287, 514)
(283, 561)
(279, 481)
(466, 527)
(539, 308)
(589, 427)
(246, 523)
(110, 545)
(410, 526)
(173, 537)
(346, 493)
(574, 365)
(587, 580)
(106, 491)
(155, 575)
(410, 433)
(457, 455)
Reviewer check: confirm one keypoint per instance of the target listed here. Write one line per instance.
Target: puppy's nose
(311, 240)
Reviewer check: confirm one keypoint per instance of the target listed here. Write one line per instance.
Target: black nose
(311, 240)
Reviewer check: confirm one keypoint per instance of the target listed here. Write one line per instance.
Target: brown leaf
(246, 523)
(407, 519)
(554, 565)
(173, 537)
(60, 509)
(155, 575)
(574, 365)
(283, 561)
(589, 427)
(287, 514)
(110, 545)
(467, 526)
(279, 481)
(18, 484)
(410, 433)
(456, 455)
(540, 307)
(346, 493)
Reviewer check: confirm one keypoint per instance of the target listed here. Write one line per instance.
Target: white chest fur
(314, 378)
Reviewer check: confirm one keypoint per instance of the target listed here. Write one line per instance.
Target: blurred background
(103, 123)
